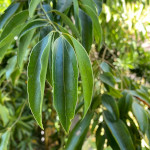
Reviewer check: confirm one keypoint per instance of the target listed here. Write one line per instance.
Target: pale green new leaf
(32, 6)
(37, 69)
(65, 81)
(86, 72)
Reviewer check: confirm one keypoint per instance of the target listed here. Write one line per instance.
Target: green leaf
(23, 45)
(120, 133)
(49, 68)
(141, 116)
(3, 49)
(4, 43)
(65, 81)
(97, 26)
(148, 131)
(8, 14)
(125, 104)
(15, 21)
(108, 79)
(62, 5)
(62, 29)
(105, 67)
(11, 66)
(140, 95)
(48, 9)
(99, 4)
(78, 134)
(4, 114)
(32, 6)
(100, 139)
(33, 25)
(111, 105)
(86, 72)
(87, 32)
(76, 14)
(68, 22)
(4, 139)
(37, 75)
(89, 3)
(111, 140)
(114, 92)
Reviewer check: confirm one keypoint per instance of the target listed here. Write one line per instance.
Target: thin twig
(142, 101)
(49, 19)
(19, 115)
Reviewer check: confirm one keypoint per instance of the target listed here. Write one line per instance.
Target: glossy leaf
(87, 32)
(4, 138)
(89, 3)
(105, 67)
(99, 4)
(68, 22)
(140, 95)
(120, 133)
(111, 140)
(141, 116)
(15, 21)
(86, 72)
(62, 5)
(77, 135)
(111, 105)
(48, 9)
(96, 24)
(8, 39)
(65, 81)
(23, 45)
(125, 104)
(33, 25)
(11, 66)
(3, 49)
(61, 28)
(100, 139)
(37, 69)
(148, 131)
(8, 14)
(49, 68)
(108, 79)
(4, 114)
(76, 14)
(32, 6)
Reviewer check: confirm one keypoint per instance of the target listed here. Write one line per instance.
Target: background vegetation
(116, 38)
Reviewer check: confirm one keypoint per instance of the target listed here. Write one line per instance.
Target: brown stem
(142, 101)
